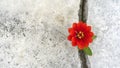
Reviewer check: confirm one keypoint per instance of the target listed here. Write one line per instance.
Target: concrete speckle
(33, 34)
(104, 16)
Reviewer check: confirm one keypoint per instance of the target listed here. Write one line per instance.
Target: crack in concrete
(83, 12)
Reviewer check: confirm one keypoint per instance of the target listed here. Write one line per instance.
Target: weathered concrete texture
(33, 34)
(104, 16)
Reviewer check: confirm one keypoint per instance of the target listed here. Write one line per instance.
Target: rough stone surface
(33, 34)
(104, 16)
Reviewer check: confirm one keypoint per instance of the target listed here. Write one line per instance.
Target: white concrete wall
(33, 34)
(104, 16)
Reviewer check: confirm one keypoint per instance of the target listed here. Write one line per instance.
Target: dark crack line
(83, 11)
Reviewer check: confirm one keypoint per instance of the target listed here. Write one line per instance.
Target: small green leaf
(94, 37)
(88, 51)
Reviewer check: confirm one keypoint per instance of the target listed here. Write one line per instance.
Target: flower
(80, 35)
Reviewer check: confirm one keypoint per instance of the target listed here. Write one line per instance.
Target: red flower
(80, 34)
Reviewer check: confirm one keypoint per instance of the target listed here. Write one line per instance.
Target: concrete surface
(104, 16)
(33, 34)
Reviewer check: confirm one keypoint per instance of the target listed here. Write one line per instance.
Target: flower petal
(85, 41)
(72, 33)
(90, 40)
(91, 34)
(74, 41)
(78, 26)
(69, 37)
(74, 26)
(81, 26)
(88, 28)
(80, 46)
(69, 29)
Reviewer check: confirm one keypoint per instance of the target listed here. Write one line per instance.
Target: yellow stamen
(80, 35)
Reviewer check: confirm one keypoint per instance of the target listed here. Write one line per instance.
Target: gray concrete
(104, 16)
(33, 34)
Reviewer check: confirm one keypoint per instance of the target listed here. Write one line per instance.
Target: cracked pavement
(33, 33)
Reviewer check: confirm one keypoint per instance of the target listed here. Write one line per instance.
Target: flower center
(80, 35)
